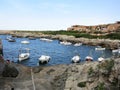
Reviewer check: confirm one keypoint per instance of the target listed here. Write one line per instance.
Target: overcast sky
(56, 14)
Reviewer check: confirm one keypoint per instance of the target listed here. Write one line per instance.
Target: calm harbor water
(60, 54)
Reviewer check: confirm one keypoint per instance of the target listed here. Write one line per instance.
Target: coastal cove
(59, 45)
(60, 54)
(85, 75)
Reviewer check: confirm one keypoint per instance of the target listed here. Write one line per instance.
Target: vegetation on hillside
(77, 34)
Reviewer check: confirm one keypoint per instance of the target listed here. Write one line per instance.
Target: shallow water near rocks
(60, 54)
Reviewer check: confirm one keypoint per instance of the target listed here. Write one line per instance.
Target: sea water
(60, 54)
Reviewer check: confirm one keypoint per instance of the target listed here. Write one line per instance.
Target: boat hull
(75, 59)
(44, 59)
(43, 62)
(24, 56)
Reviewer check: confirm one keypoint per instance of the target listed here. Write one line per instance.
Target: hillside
(113, 27)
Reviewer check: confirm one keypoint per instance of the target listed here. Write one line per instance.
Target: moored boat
(44, 59)
(116, 52)
(45, 39)
(10, 39)
(25, 42)
(65, 43)
(88, 58)
(76, 59)
(78, 44)
(99, 48)
(100, 59)
(24, 55)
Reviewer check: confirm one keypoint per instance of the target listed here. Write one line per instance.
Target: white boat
(25, 42)
(115, 51)
(99, 48)
(119, 52)
(24, 55)
(76, 59)
(43, 59)
(65, 43)
(78, 44)
(88, 58)
(100, 59)
(45, 39)
(7, 38)
(10, 39)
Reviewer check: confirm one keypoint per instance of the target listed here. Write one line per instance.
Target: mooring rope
(33, 80)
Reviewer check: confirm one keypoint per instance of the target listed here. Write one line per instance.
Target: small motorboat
(119, 52)
(10, 39)
(65, 43)
(99, 48)
(76, 59)
(115, 51)
(78, 44)
(24, 55)
(100, 59)
(45, 39)
(25, 42)
(88, 58)
(44, 59)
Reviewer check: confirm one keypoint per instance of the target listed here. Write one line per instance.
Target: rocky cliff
(82, 76)
(113, 27)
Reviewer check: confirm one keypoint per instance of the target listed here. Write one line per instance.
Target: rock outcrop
(1, 47)
(82, 76)
(115, 27)
(107, 43)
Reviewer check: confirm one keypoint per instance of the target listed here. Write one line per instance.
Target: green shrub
(81, 84)
(100, 86)
(90, 71)
(113, 36)
(107, 65)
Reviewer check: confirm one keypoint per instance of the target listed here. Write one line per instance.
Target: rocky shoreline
(107, 43)
(87, 76)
